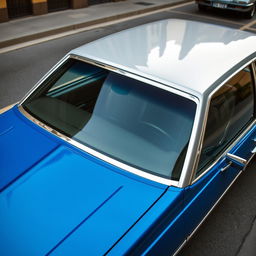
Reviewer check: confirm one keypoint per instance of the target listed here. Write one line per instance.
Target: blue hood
(64, 201)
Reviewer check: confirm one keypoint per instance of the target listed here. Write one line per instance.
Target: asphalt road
(230, 230)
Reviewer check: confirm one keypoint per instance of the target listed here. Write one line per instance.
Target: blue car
(127, 144)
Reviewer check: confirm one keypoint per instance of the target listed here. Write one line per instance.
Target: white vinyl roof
(191, 55)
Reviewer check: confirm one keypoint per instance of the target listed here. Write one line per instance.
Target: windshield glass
(133, 122)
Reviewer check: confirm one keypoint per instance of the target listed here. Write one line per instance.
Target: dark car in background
(246, 7)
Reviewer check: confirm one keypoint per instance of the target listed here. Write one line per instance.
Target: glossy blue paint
(246, 144)
(202, 195)
(156, 234)
(21, 147)
(67, 199)
(59, 196)
(159, 232)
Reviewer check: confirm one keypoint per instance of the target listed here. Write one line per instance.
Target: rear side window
(231, 109)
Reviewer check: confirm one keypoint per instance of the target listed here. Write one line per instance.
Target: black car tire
(250, 14)
(202, 8)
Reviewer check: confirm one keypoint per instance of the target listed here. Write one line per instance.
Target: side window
(231, 109)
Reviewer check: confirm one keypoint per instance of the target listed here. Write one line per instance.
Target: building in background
(10, 9)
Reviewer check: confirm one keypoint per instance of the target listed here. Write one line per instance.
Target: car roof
(184, 54)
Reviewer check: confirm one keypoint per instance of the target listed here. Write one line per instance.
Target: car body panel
(17, 156)
(58, 198)
(75, 244)
(201, 196)
(160, 231)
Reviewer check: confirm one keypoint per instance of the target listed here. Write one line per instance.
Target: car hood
(67, 202)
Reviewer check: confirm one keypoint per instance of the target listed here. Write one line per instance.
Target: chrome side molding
(226, 167)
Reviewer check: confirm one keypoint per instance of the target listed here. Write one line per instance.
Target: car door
(228, 144)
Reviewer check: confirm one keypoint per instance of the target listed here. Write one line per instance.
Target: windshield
(133, 122)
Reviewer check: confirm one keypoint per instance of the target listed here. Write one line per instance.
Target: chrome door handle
(223, 169)
(237, 160)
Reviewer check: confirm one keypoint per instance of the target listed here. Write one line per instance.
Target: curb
(51, 32)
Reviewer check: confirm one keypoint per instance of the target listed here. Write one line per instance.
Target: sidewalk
(35, 27)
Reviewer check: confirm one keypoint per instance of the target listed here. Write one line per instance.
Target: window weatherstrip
(155, 83)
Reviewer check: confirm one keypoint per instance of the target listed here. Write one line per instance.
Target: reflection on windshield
(128, 120)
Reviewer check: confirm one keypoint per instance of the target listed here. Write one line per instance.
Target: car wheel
(201, 7)
(251, 13)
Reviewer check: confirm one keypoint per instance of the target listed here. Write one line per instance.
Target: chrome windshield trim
(254, 71)
(43, 79)
(137, 77)
(190, 157)
(103, 157)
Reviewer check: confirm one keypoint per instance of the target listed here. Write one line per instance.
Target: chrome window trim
(103, 157)
(137, 77)
(43, 79)
(189, 161)
(254, 71)
(249, 126)
(226, 151)
(253, 67)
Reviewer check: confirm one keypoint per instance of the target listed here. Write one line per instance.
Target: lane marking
(248, 25)
(76, 31)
